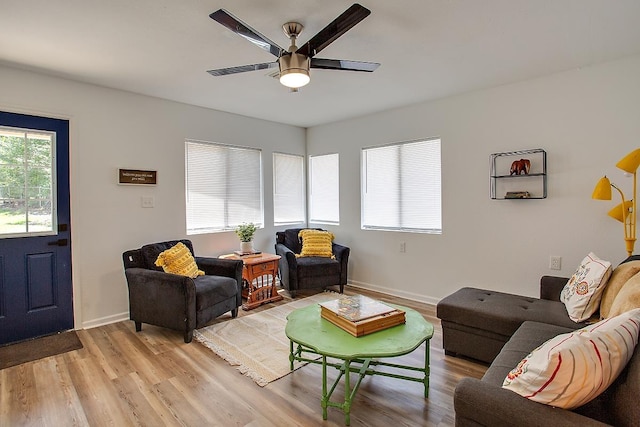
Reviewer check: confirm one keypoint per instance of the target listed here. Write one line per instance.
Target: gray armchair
(309, 272)
(179, 302)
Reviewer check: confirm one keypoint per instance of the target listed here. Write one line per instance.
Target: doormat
(256, 344)
(38, 348)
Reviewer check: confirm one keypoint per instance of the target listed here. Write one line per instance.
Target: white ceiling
(428, 48)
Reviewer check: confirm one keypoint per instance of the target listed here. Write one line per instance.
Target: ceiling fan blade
(242, 69)
(343, 64)
(335, 29)
(243, 30)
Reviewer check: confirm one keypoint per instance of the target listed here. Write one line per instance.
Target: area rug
(256, 344)
(38, 348)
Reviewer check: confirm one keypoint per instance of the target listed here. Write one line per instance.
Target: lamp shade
(618, 214)
(294, 70)
(630, 162)
(602, 190)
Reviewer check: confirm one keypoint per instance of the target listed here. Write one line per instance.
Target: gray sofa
(501, 329)
(485, 403)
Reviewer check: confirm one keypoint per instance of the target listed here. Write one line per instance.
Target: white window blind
(288, 189)
(324, 203)
(223, 187)
(401, 187)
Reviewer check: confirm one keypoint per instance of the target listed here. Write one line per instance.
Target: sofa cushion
(620, 275)
(291, 239)
(628, 298)
(210, 290)
(528, 336)
(310, 267)
(500, 312)
(582, 293)
(572, 369)
(316, 243)
(623, 399)
(178, 260)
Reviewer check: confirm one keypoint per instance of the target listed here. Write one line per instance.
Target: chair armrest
(551, 287)
(342, 255)
(288, 255)
(287, 267)
(340, 251)
(141, 279)
(160, 298)
(220, 267)
(480, 403)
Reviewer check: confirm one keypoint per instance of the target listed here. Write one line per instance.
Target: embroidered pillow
(628, 298)
(178, 260)
(574, 368)
(621, 274)
(582, 293)
(316, 243)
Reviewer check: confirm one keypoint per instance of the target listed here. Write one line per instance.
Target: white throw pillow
(574, 368)
(582, 293)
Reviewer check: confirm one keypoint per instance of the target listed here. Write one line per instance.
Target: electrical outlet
(555, 263)
(403, 247)
(147, 201)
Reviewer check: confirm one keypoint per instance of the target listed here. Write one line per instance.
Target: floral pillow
(582, 293)
(572, 369)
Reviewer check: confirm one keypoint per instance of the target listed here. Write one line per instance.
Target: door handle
(59, 242)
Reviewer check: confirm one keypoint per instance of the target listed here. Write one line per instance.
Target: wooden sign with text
(133, 176)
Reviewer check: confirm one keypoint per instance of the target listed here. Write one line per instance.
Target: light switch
(147, 201)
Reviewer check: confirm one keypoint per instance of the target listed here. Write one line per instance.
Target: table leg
(291, 355)
(325, 398)
(426, 368)
(347, 392)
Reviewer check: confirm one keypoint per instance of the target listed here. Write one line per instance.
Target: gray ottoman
(476, 323)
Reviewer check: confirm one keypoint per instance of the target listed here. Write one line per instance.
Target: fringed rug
(256, 343)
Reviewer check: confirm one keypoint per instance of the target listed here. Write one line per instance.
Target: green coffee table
(310, 333)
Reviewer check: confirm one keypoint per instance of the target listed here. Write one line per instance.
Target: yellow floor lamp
(625, 212)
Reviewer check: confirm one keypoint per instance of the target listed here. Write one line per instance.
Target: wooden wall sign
(136, 177)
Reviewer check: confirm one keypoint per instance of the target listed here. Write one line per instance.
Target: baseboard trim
(106, 320)
(394, 292)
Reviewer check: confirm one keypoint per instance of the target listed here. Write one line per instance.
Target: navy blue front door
(36, 295)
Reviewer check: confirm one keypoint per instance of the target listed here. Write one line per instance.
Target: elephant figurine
(520, 166)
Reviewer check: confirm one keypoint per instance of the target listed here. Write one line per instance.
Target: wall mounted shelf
(508, 180)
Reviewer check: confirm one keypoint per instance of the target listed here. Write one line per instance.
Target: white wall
(585, 119)
(112, 129)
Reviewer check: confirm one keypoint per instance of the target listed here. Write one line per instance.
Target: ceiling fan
(295, 62)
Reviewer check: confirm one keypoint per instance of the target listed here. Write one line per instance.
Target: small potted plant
(245, 232)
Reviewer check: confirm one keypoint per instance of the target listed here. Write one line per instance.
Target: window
(324, 204)
(27, 182)
(223, 187)
(401, 187)
(288, 189)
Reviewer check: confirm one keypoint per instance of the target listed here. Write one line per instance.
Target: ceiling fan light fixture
(294, 70)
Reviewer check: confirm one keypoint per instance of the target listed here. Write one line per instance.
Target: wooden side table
(255, 275)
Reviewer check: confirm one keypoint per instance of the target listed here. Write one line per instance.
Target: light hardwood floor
(152, 378)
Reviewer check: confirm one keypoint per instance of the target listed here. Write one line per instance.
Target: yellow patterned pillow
(316, 243)
(178, 260)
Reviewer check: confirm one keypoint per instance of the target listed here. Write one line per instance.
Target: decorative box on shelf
(360, 315)
(519, 175)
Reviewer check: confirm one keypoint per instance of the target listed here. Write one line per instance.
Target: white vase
(246, 247)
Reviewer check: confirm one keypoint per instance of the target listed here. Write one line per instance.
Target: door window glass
(27, 204)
